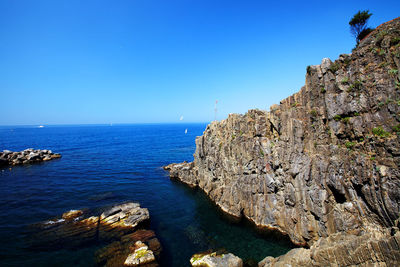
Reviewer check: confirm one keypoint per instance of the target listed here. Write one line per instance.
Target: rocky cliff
(323, 162)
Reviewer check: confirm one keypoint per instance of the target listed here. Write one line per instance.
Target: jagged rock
(324, 161)
(26, 156)
(216, 260)
(120, 226)
(76, 228)
(117, 253)
(140, 256)
(343, 250)
(72, 214)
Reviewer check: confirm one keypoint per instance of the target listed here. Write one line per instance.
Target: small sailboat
(40, 126)
(186, 131)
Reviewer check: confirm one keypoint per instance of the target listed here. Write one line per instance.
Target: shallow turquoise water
(102, 165)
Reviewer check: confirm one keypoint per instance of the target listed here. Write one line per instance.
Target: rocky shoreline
(121, 227)
(27, 156)
(321, 167)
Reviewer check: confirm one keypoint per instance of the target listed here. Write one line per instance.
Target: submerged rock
(140, 256)
(122, 252)
(118, 227)
(216, 260)
(26, 156)
(76, 228)
(326, 161)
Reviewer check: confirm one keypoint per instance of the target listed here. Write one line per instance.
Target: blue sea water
(103, 165)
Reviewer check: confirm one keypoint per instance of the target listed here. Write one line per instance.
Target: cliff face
(324, 161)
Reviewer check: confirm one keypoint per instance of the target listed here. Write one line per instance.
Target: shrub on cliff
(358, 25)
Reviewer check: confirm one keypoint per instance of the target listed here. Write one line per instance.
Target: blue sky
(139, 61)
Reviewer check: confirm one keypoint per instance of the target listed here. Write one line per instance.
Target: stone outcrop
(343, 250)
(140, 248)
(120, 225)
(216, 260)
(324, 162)
(27, 156)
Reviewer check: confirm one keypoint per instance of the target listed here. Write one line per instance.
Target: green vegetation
(141, 253)
(313, 113)
(337, 117)
(346, 119)
(350, 145)
(356, 114)
(233, 136)
(393, 72)
(356, 85)
(261, 153)
(379, 37)
(379, 131)
(395, 40)
(358, 25)
(345, 80)
(323, 90)
(396, 128)
(334, 67)
(347, 61)
(295, 104)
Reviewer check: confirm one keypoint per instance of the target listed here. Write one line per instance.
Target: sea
(110, 164)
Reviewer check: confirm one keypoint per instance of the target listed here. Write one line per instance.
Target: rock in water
(117, 225)
(141, 255)
(26, 156)
(76, 228)
(216, 260)
(325, 161)
(120, 253)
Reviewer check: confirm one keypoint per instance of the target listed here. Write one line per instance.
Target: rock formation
(118, 225)
(26, 156)
(323, 166)
(215, 260)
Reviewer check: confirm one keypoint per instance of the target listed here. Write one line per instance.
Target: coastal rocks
(78, 228)
(26, 156)
(216, 260)
(325, 161)
(140, 248)
(141, 255)
(119, 228)
(343, 250)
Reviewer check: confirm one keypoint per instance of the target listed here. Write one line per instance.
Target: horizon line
(99, 124)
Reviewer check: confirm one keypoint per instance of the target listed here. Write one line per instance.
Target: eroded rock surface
(343, 250)
(216, 260)
(27, 156)
(117, 225)
(324, 161)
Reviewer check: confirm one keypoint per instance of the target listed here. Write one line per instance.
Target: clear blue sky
(74, 62)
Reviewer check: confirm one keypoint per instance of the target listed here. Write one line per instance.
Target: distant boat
(40, 126)
(186, 131)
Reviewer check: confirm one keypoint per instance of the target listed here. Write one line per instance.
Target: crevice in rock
(358, 189)
(340, 198)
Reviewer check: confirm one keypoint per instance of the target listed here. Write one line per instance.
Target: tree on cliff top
(358, 25)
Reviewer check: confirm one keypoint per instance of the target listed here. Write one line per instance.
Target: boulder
(26, 156)
(216, 260)
(140, 256)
